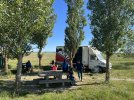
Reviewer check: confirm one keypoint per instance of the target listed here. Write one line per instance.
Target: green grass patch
(121, 90)
(122, 66)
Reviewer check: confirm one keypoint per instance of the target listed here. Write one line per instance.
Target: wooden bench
(63, 81)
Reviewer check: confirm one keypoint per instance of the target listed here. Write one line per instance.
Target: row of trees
(111, 24)
(26, 22)
(22, 23)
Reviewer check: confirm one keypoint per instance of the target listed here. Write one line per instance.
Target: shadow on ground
(6, 87)
(32, 87)
(45, 68)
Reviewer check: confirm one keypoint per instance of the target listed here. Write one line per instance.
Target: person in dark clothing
(28, 66)
(53, 62)
(65, 66)
(79, 67)
(71, 77)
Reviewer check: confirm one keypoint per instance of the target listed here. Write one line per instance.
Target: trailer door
(78, 55)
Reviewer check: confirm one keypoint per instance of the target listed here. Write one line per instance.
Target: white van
(90, 57)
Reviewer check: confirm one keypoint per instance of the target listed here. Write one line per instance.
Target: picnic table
(57, 77)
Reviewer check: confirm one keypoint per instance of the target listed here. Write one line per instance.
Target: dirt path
(123, 79)
(87, 78)
(30, 86)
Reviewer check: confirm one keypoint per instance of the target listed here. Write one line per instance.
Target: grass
(96, 92)
(122, 66)
(121, 90)
(95, 89)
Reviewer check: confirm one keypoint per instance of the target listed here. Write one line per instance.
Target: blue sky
(57, 39)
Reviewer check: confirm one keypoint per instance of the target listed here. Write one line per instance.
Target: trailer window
(100, 57)
(93, 57)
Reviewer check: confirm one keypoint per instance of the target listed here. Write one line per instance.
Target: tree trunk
(71, 62)
(5, 64)
(40, 57)
(107, 68)
(18, 74)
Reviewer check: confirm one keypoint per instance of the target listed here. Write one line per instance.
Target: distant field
(47, 58)
(123, 66)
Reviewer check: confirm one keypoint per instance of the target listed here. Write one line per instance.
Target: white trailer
(90, 57)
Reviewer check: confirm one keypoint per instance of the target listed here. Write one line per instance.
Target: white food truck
(90, 57)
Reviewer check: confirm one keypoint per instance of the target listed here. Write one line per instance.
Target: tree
(20, 19)
(4, 46)
(43, 26)
(4, 40)
(110, 20)
(19, 15)
(74, 33)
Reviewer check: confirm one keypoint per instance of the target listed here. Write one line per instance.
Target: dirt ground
(30, 83)
(32, 86)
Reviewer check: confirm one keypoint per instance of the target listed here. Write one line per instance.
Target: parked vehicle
(90, 57)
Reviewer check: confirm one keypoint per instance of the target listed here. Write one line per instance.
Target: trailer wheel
(95, 69)
(101, 69)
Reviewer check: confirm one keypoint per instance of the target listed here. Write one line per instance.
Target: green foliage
(44, 19)
(110, 20)
(44, 22)
(76, 21)
(17, 26)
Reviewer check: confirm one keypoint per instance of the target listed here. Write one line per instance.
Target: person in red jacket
(54, 67)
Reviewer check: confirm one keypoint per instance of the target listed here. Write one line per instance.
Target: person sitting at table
(52, 64)
(54, 67)
(29, 66)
